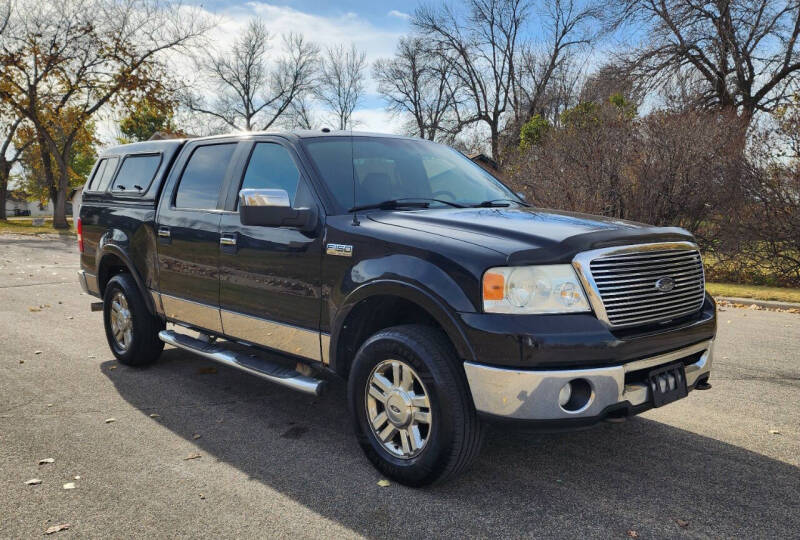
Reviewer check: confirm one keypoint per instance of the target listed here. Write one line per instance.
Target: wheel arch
(113, 260)
(384, 303)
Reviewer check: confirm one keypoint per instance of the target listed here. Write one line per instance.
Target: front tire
(411, 406)
(131, 330)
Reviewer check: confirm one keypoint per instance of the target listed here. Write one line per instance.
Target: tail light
(79, 229)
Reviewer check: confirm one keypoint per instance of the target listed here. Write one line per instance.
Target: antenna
(355, 180)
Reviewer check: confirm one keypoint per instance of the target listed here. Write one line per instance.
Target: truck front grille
(642, 287)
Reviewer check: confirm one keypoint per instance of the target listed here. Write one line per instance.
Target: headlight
(533, 289)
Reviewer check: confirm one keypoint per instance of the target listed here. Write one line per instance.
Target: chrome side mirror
(264, 197)
(273, 208)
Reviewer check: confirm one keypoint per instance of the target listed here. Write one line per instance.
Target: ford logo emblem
(665, 284)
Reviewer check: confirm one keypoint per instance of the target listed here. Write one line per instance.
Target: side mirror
(272, 208)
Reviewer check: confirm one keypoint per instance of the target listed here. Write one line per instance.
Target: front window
(400, 169)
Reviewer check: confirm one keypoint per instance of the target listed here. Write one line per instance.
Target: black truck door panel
(189, 235)
(270, 276)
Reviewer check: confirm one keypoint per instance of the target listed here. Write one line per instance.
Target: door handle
(163, 232)
(227, 240)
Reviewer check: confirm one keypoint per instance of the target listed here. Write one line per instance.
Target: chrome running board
(259, 367)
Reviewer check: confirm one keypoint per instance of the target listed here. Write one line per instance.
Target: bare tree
(742, 52)
(63, 61)
(300, 114)
(480, 45)
(249, 93)
(610, 79)
(567, 26)
(418, 83)
(341, 84)
(5, 15)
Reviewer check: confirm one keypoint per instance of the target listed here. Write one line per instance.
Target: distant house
(74, 201)
(18, 204)
(486, 163)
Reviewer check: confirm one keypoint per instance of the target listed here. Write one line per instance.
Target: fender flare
(425, 299)
(115, 250)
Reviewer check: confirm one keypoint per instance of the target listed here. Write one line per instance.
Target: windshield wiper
(408, 202)
(495, 203)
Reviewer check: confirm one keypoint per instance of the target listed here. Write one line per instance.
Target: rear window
(98, 172)
(136, 173)
(103, 175)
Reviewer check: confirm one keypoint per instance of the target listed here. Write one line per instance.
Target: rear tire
(131, 330)
(408, 382)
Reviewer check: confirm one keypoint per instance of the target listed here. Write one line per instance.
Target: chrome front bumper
(534, 395)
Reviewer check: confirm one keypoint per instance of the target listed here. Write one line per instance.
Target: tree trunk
(5, 170)
(47, 167)
(60, 206)
(495, 142)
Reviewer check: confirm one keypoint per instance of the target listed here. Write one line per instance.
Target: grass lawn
(758, 292)
(17, 225)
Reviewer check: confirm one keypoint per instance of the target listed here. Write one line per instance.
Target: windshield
(400, 169)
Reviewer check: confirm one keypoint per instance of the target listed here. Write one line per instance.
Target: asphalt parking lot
(274, 463)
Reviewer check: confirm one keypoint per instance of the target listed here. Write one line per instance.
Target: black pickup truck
(443, 298)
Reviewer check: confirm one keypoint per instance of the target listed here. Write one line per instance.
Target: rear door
(270, 276)
(188, 229)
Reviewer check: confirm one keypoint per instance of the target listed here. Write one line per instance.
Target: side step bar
(255, 366)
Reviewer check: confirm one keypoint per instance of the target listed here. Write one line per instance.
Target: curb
(769, 304)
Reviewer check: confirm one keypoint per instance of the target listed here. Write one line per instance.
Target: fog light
(565, 394)
(576, 395)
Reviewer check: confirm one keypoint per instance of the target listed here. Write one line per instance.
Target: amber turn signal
(493, 286)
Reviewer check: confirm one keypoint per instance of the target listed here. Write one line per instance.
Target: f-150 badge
(342, 250)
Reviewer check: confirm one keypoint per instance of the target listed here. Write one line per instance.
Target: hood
(530, 235)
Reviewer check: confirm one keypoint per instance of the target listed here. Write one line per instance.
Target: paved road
(277, 463)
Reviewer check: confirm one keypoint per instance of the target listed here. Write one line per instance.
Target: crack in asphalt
(34, 284)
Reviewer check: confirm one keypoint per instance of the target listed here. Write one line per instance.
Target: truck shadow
(641, 475)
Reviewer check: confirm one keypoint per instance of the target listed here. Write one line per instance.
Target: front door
(270, 276)
(188, 232)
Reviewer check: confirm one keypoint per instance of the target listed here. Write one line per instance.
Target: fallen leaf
(193, 455)
(774, 432)
(632, 534)
(70, 318)
(196, 436)
(57, 528)
(384, 483)
(155, 415)
(33, 482)
(109, 420)
(202, 496)
(46, 460)
(22, 361)
(210, 370)
(92, 356)
(70, 485)
(34, 309)
(49, 404)
(77, 477)
(682, 522)
(37, 352)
